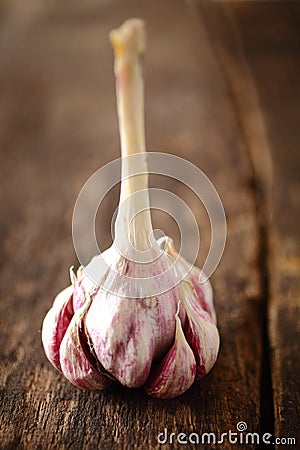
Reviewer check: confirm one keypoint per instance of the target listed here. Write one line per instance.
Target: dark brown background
(222, 90)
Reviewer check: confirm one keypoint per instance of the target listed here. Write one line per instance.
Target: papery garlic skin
(113, 328)
(129, 334)
(203, 289)
(56, 324)
(168, 378)
(77, 361)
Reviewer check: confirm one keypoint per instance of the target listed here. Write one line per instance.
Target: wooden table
(222, 82)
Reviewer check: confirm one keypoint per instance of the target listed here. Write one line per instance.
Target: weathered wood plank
(276, 70)
(259, 51)
(59, 125)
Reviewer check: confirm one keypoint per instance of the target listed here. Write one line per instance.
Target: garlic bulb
(142, 321)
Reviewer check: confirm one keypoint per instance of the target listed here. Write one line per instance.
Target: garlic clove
(82, 286)
(121, 336)
(77, 359)
(201, 334)
(176, 372)
(204, 293)
(56, 323)
(195, 276)
(127, 331)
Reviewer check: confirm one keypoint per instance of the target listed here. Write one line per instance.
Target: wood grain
(258, 59)
(58, 125)
(280, 100)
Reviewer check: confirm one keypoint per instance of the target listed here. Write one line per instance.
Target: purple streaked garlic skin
(56, 324)
(162, 343)
(96, 333)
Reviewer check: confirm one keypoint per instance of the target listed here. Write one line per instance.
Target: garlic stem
(128, 42)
